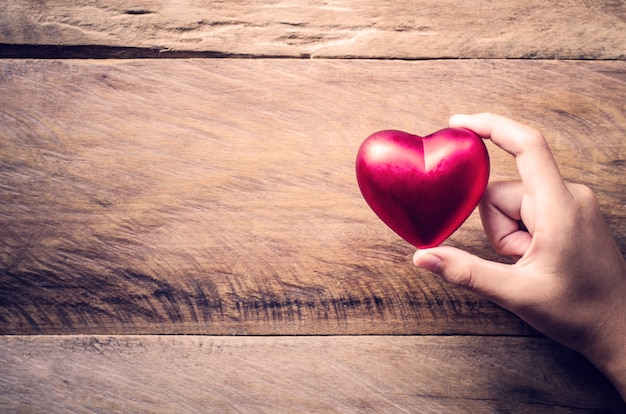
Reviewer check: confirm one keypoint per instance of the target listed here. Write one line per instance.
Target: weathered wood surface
(218, 196)
(344, 28)
(298, 374)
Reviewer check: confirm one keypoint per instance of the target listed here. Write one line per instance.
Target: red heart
(423, 188)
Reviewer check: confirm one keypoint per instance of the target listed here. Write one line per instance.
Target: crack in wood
(138, 12)
(28, 51)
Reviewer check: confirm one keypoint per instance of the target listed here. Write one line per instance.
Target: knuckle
(582, 193)
(582, 208)
(460, 277)
(534, 138)
(586, 204)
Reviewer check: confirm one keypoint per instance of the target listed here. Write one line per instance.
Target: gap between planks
(102, 52)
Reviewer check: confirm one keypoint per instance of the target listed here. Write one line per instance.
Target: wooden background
(180, 226)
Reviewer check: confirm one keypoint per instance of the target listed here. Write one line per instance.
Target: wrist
(614, 368)
(607, 350)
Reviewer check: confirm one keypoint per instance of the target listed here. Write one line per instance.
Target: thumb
(486, 278)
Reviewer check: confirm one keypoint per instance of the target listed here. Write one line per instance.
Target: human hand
(569, 278)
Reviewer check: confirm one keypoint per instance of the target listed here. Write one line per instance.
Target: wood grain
(218, 196)
(339, 29)
(298, 374)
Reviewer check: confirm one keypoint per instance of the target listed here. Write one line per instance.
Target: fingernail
(427, 261)
(457, 119)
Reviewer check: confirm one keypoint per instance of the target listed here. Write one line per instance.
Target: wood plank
(343, 28)
(298, 374)
(218, 196)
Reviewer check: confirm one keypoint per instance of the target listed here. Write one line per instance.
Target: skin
(569, 276)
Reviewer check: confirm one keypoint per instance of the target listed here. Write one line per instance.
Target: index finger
(535, 163)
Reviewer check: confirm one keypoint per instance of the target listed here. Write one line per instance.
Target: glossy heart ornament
(423, 188)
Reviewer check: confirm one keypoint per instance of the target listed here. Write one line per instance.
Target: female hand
(569, 278)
